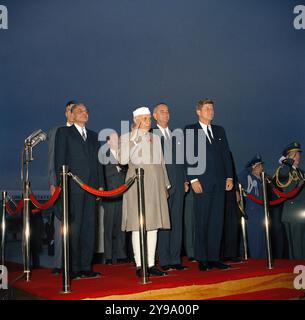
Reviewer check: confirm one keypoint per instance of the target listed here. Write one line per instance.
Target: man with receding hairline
(77, 147)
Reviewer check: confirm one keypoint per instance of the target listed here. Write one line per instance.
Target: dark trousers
(114, 238)
(209, 216)
(170, 241)
(280, 249)
(231, 229)
(189, 225)
(83, 218)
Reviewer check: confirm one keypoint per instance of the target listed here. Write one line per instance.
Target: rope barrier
(49, 203)
(12, 212)
(102, 193)
(286, 195)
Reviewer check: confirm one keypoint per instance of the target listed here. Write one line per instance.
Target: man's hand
(52, 189)
(229, 184)
(196, 185)
(186, 186)
(134, 131)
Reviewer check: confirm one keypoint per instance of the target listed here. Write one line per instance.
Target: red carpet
(248, 280)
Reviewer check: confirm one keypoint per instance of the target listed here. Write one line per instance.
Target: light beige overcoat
(145, 152)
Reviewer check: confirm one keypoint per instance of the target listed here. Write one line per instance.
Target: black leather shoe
(191, 259)
(233, 259)
(90, 275)
(139, 273)
(56, 271)
(218, 265)
(75, 275)
(202, 266)
(167, 267)
(108, 261)
(179, 267)
(154, 271)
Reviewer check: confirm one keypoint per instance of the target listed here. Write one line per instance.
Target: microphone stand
(26, 209)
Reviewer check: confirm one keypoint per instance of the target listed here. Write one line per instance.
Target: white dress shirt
(205, 129)
(80, 130)
(163, 130)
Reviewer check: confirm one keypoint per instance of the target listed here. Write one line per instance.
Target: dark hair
(74, 106)
(70, 102)
(201, 103)
(158, 104)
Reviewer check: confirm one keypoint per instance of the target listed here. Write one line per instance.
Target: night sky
(117, 55)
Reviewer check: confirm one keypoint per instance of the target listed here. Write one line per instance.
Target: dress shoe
(90, 275)
(56, 271)
(218, 265)
(192, 259)
(203, 266)
(179, 267)
(75, 275)
(154, 271)
(108, 261)
(233, 259)
(139, 273)
(167, 267)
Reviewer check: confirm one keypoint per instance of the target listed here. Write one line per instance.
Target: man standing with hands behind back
(209, 187)
(77, 147)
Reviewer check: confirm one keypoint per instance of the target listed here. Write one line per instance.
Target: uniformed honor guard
(250, 179)
(289, 176)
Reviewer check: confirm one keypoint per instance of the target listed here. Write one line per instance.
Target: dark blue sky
(116, 55)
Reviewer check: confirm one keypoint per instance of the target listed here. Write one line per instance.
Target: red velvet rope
(102, 193)
(12, 212)
(286, 195)
(49, 203)
(261, 202)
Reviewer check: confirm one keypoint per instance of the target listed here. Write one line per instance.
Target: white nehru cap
(141, 111)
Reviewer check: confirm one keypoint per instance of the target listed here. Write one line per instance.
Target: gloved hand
(288, 162)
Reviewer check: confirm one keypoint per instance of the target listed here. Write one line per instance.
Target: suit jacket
(51, 157)
(218, 160)
(176, 172)
(80, 156)
(113, 178)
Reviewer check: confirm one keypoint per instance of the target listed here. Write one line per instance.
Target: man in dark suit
(77, 147)
(114, 238)
(170, 241)
(52, 184)
(209, 185)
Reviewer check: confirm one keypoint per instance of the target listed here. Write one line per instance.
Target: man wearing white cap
(142, 149)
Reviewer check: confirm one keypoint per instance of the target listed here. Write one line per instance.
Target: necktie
(167, 137)
(84, 134)
(209, 135)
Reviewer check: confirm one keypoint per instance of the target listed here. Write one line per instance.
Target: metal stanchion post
(65, 231)
(142, 223)
(26, 231)
(3, 228)
(267, 219)
(243, 223)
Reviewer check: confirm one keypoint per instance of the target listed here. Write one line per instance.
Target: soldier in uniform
(250, 179)
(288, 177)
